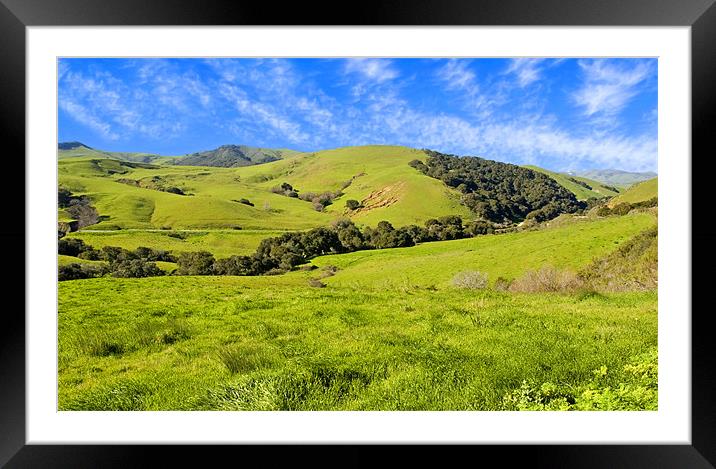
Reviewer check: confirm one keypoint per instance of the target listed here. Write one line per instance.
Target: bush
(502, 284)
(71, 246)
(314, 282)
(621, 209)
(352, 204)
(470, 279)
(76, 271)
(135, 268)
(547, 279)
(195, 263)
(236, 265)
(246, 202)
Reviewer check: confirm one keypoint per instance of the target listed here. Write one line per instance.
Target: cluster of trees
(156, 183)
(245, 202)
(283, 253)
(78, 207)
(273, 256)
(500, 192)
(625, 207)
(352, 204)
(319, 200)
(119, 262)
(580, 183)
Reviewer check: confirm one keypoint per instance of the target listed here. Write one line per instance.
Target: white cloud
(264, 113)
(526, 70)
(608, 87)
(457, 75)
(85, 117)
(378, 70)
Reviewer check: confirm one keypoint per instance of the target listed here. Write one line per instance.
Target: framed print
(438, 226)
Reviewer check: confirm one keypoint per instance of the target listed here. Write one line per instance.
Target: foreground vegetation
(362, 278)
(271, 343)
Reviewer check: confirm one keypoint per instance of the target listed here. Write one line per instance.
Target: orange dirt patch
(381, 198)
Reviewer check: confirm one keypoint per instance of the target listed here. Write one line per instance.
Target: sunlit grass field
(571, 245)
(272, 343)
(638, 192)
(221, 243)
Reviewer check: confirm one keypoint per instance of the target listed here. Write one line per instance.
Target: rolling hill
(232, 156)
(379, 177)
(617, 177)
(638, 193)
(144, 191)
(582, 187)
(79, 149)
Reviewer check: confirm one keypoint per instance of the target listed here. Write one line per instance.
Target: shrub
(71, 246)
(195, 263)
(314, 282)
(246, 202)
(546, 279)
(352, 204)
(621, 209)
(135, 268)
(502, 284)
(76, 271)
(470, 279)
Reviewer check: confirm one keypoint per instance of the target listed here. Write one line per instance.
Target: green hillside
(597, 190)
(78, 149)
(569, 245)
(381, 179)
(221, 243)
(387, 333)
(638, 193)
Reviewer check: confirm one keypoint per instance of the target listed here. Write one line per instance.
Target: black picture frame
(700, 15)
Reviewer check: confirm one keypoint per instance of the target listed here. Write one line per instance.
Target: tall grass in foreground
(259, 344)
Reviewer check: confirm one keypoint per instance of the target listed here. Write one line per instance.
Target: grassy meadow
(268, 343)
(383, 329)
(639, 192)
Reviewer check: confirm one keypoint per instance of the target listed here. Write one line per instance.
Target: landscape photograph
(357, 234)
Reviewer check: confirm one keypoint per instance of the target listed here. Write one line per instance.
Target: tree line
(274, 255)
(500, 192)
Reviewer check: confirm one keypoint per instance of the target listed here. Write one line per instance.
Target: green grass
(392, 190)
(572, 244)
(224, 243)
(272, 343)
(66, 260)
(388, 332)
(598, 190)
(638, 192)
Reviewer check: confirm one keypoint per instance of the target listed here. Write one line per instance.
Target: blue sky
(562, 114)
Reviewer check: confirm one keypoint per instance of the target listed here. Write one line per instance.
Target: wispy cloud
(263, 113)
(378, 70)
(498, 109)
(608, 85)
(460, 78)
(84, 116)
(457, 76)
(526, 70)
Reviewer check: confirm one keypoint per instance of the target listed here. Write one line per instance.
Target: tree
(135, 268)
(195, 263)
(352, 204)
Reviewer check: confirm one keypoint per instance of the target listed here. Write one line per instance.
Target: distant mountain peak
(230, 156)
(617, 176)
(71, 145)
